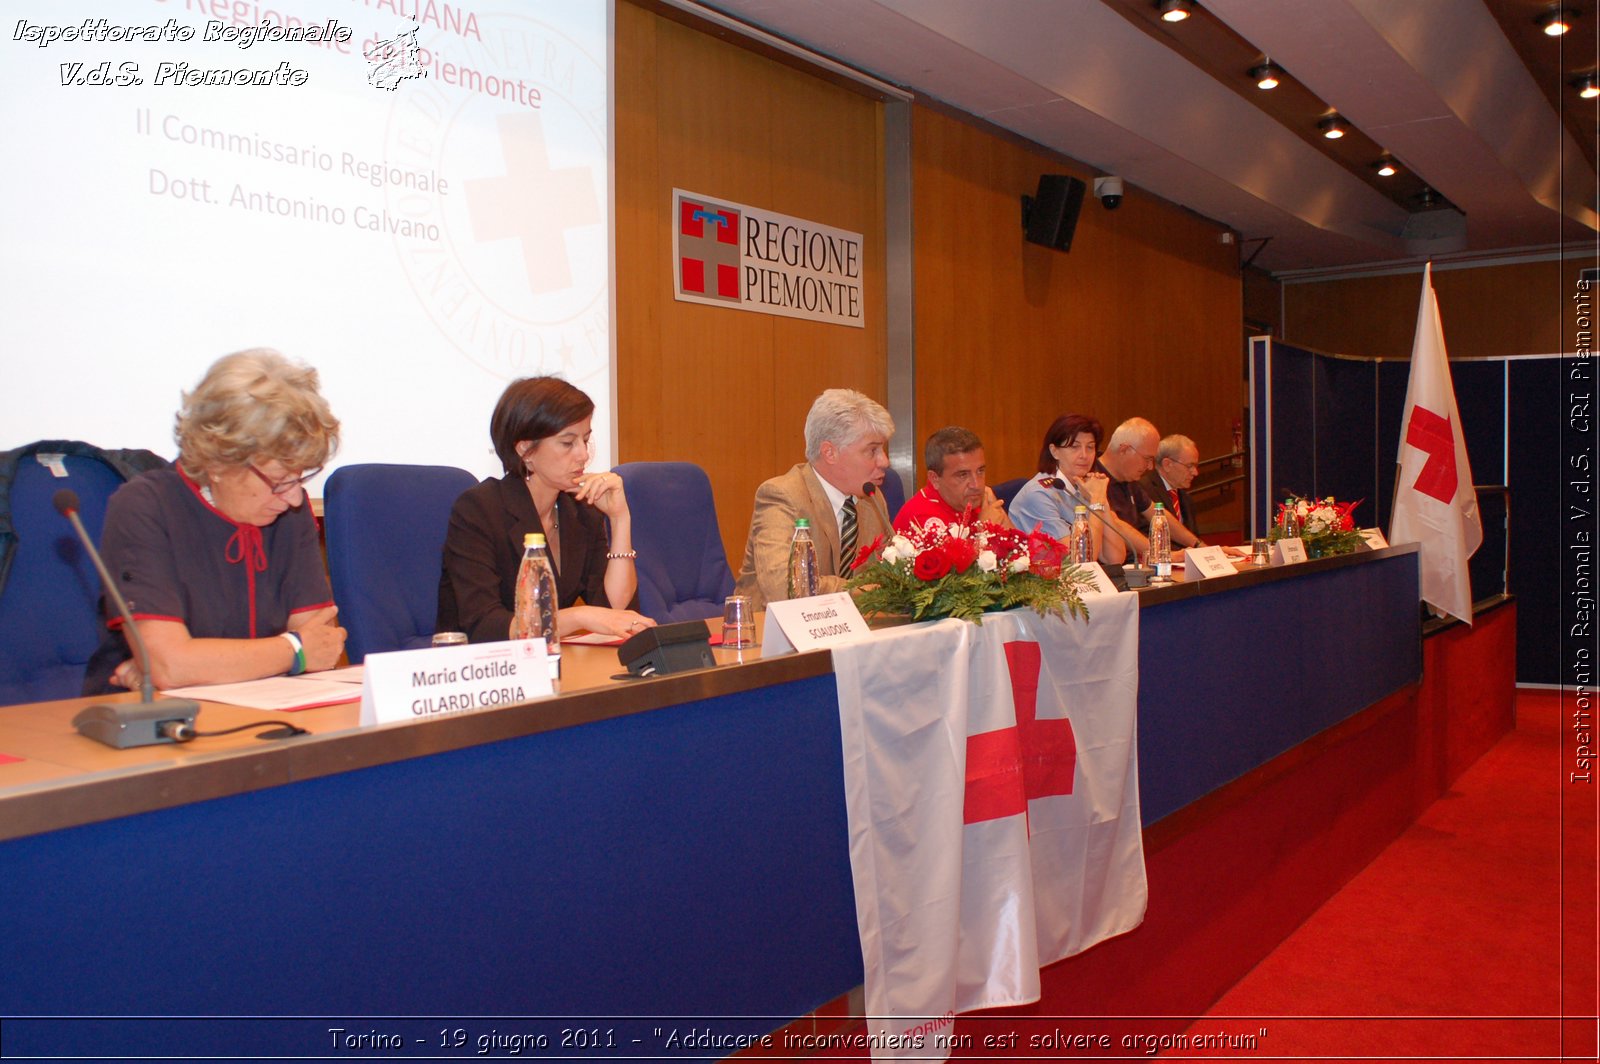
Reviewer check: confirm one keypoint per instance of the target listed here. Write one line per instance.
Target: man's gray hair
(1130, 432)
(948, 441)
(843, 416)
(1172, 447)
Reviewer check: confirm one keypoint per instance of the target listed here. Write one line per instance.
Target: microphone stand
(1137, 574)
(127, 724)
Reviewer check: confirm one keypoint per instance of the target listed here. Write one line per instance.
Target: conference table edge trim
(52, 805)
(1250, 577)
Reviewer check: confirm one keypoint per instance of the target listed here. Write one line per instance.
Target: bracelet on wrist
(621, 555)
(299, 665)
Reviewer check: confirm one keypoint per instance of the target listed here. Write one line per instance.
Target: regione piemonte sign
(733, 255)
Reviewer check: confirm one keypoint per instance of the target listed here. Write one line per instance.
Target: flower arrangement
(965, 570)
(1325, 526)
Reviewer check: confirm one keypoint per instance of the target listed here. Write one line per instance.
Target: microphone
(1137, 575)
(127, 724)
(868, 488)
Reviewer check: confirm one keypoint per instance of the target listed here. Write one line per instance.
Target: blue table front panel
(688, 861)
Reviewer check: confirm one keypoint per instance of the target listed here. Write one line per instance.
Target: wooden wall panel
(1489, 311)
(1142, 316)
(725, 388)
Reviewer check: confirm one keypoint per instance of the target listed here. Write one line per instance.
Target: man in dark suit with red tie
(1177, 463)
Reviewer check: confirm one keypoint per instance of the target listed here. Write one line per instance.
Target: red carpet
(1471, 936)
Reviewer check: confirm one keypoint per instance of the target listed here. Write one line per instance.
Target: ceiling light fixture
(1386, 167)
(1265, 76)
(1175, 10)
(1588, 86)
(1556, 21)
(1332, 127)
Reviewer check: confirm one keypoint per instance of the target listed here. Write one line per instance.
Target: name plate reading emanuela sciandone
(812, 623)
(423, 684)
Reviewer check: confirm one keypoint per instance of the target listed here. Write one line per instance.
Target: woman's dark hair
(1062, 431)
(531, 409)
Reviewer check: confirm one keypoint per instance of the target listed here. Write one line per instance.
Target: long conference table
(630, 859)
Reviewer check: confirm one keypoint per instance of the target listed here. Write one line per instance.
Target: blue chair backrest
(385, 527)
(894, 493)
(1007, 490)
(683, 570)
(50, 621)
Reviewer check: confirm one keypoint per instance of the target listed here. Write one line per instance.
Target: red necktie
(1175, 512)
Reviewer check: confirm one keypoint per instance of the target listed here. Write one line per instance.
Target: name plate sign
(812, 623)
(423, 684)
(1288, 551)
(1209, 561)
(1099, 582)
(1373, 538)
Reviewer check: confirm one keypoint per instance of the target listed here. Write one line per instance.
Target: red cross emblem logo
(1032, 759)
(1431, 434)
(708, 250)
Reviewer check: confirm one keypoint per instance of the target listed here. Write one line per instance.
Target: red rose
(1045, 555)
(866, 552)
(960, 552)
(930, 565)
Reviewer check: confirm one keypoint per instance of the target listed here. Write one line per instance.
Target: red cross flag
(992, 788)
(1434, 504)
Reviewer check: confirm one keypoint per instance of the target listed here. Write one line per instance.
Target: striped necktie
(1175, 512)
(847, 535)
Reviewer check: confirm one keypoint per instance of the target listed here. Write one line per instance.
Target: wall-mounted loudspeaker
(1050, 216)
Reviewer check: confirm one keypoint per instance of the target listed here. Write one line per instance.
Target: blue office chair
(50, 620)
(683, 570)
(385, 527)
(894, 493)
(1007, 490)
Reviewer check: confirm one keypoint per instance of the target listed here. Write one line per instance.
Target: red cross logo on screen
(533, 203)
(1430, 433)
(1033, 759)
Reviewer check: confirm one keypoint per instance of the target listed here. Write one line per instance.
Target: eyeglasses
(286, 486)
(1191, 466)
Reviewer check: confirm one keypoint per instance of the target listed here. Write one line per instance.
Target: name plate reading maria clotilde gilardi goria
(423, 684)
(812, 623)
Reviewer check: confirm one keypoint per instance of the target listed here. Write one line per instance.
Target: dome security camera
(1108, 190)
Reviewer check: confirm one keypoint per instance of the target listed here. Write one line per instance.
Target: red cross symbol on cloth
(1430, 433)
(1032, 759)
(533, 202)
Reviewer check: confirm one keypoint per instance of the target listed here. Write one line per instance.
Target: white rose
(891, 555)
(902, 547)
(1019, 564)
(987, 561)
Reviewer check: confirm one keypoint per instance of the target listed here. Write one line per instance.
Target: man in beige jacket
(847, 456)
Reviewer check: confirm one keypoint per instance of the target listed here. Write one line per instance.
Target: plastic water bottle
(802, 561)
(1160, 546)
(1082, 537)
(535, 614)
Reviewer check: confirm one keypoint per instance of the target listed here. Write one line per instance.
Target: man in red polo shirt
(955, 490)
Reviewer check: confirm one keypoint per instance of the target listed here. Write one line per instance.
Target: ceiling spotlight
(1265, 76)
(1175, 10)
(1332, 127)
(1386, 167)
(1588, 86)
(1556, 21)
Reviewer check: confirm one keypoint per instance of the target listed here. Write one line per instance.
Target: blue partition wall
(1330, 425)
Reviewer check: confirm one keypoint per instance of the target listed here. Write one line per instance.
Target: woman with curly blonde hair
(218, 556)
